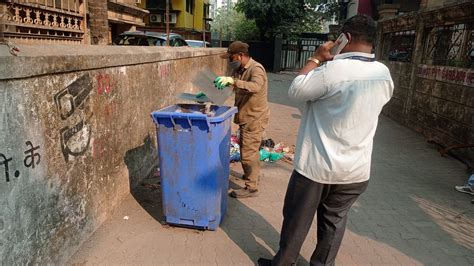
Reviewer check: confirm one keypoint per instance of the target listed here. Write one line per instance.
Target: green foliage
(246, 30)
(233, 25)
(287, 17)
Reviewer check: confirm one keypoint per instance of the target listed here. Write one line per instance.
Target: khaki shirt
(251, 90)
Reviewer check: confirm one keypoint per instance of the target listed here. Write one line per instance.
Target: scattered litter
(234, 147)
(235, 138)
(125, 217)
(234, 152)
(269, 156)
(277, 152)
(152, 186)
(289, 156)
(269, 151)
(267, 143)
(278, 147)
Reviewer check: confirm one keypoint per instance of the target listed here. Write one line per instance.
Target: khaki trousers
(250, 138)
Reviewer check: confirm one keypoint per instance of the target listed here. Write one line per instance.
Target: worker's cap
(235, 48)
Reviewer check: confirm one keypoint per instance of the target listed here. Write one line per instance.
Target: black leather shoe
(264, 262)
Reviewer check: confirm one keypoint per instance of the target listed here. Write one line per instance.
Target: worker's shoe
(244, 177)
(244, 193)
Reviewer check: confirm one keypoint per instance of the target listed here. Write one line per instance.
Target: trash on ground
(234, 147)
(152, 186)
(267, 143)
(125, 217)
(269, 156)
(269, 151)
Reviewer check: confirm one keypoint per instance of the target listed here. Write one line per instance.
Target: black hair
(361, 27)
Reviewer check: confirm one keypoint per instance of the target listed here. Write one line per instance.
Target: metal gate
(294, 53)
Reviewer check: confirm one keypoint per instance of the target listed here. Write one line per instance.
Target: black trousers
(303, 198)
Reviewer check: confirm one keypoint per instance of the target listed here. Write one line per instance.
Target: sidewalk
(410, 214)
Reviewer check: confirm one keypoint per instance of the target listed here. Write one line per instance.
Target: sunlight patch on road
(454, 223)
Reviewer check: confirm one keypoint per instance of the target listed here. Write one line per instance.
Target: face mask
(234, 64)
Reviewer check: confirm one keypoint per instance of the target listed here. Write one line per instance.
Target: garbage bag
(275, 156)
(264, 154)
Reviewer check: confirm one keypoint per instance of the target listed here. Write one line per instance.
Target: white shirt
(342, 101)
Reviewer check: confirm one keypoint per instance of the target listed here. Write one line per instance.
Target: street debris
(269, 143)
(269, 151)
(235, 147)
(125, 217)
(152, 186)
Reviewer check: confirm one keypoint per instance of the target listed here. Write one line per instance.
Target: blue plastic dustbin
(193, 150)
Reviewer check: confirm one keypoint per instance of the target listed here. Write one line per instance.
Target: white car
(197, 43)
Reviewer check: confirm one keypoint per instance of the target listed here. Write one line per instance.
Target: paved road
(410, 214)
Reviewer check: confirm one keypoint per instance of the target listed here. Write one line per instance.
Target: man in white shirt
(341, 101)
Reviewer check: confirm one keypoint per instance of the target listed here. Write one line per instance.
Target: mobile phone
(342, 40)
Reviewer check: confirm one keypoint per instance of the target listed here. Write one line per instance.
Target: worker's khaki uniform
(251, 87)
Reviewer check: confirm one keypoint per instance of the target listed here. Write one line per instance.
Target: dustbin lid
(221, 112)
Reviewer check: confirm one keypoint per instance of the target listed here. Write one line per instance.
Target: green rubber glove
(200, 95)
(222, 82)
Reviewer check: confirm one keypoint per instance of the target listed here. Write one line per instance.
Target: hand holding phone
(341, 42)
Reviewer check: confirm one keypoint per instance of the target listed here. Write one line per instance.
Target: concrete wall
(98, 21)
(440, 105)
(435, 100)
(77, 135)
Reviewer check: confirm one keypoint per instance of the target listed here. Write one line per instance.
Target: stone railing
(46, 21)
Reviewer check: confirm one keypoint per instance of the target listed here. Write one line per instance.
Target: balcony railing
(61, 21)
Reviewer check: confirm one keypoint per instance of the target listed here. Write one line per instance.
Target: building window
(450, 45)
(398, 46)
(190, 6)
(156, 5)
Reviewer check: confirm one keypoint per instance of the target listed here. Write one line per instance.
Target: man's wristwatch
(314, 59)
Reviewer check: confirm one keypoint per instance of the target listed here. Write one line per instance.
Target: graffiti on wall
(461, 76)
(32, 159)
(108, 109)
(103, 83)
(71, 105)
(164, 70)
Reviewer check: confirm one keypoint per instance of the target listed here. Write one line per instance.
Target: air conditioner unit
(155, 18)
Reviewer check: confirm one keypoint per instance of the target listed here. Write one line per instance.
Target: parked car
(401, 56)
(148, 38)
(196, 43)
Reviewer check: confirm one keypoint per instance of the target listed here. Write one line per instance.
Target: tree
(287, 17)
(233, 25)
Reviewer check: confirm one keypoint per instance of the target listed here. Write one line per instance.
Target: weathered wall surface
(76, 135)
(441, 103)
(431, 97)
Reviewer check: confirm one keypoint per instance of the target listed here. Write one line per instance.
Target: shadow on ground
(411, 203)
(144, 180)
(249, 230)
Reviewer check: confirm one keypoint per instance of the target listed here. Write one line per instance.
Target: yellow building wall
(186, 20)
(198, 15)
